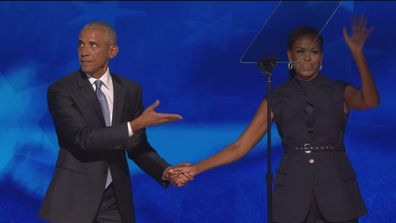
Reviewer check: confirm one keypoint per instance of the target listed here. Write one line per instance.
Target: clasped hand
(180, 174)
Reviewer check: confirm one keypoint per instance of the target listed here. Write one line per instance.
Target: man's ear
(113, 51)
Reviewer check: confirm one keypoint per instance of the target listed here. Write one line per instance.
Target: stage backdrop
(187, 55)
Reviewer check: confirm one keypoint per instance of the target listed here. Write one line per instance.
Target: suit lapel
(87, 95)
(119, 95)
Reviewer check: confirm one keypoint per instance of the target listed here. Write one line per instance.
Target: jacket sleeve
(142, 153)
(72, 129)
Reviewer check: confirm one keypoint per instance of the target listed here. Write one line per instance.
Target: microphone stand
(266, 65)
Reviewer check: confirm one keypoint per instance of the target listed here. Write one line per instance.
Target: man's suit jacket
(88, 148)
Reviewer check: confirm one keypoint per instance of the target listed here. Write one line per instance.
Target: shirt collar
(105, 78)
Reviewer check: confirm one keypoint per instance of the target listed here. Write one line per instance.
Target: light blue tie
(106, 114)
(103, 102)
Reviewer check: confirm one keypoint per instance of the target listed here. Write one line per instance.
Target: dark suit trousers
(314, 215)
(108, 211)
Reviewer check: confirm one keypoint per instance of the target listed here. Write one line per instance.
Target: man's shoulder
(68, 77)
(66, 80)
(125, 81)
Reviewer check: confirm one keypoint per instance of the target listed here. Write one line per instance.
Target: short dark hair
(109, 29)
(303, 31)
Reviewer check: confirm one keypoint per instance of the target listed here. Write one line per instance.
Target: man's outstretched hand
(150, 117)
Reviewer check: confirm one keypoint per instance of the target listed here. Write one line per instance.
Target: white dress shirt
(107, 89)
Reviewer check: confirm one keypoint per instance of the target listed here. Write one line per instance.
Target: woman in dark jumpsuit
(315, 181)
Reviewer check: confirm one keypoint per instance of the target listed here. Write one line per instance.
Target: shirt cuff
(130, 132)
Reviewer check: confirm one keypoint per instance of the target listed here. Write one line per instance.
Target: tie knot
(98, 84)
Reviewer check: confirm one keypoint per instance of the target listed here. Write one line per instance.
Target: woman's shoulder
(284, 87)
(329, 81)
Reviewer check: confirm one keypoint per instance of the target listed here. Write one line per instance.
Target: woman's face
(306, 56)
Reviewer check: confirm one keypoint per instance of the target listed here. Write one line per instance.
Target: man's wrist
(136, 124)
(165, 174)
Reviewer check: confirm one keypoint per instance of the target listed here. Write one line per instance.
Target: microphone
(267, 63)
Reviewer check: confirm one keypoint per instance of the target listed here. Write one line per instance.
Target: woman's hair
(303, 31)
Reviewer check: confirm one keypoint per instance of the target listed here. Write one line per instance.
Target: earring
(290, 65)
(320, 68)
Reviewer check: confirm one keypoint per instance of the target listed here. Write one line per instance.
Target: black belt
(308, 148)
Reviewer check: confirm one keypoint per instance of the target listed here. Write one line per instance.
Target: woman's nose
(307, 55)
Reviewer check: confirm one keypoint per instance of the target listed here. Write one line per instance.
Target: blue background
(187, 55)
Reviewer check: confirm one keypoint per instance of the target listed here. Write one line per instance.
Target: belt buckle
(306, 147)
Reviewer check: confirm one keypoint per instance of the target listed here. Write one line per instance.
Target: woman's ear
(289, 55)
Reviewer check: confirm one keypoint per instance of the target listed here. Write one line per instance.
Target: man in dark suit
(98, 118)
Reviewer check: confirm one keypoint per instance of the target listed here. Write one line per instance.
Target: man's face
(95, 49)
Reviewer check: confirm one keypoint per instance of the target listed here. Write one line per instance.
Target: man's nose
(83, 51)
